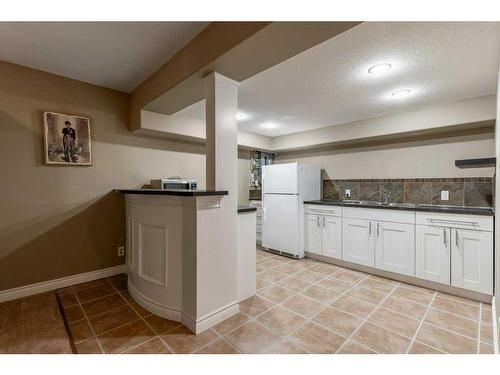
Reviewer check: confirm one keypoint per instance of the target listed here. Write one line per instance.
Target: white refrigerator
(285, 187)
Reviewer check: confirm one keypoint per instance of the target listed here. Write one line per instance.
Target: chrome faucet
(387, 197)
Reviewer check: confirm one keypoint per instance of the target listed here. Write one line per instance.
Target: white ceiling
(117, 55)
(329, 83)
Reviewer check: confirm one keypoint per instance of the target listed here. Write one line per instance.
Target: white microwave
(174, 183)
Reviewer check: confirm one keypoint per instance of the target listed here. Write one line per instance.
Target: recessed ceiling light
(401, 93)
(269, 125)
(380, 68)
(240, 116)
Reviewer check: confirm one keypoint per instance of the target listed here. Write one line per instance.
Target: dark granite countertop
(176, 192)
(242, 209)
(487, 211)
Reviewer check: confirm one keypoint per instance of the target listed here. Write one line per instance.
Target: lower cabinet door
(314, 229)
(433, 253)
(395, 247)
(358, 242)
(472, 260)
(332, 236)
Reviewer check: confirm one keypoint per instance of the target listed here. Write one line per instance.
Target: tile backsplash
(468, 191)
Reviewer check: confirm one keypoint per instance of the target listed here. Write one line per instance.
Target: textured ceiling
(329, 83)
(117, 55)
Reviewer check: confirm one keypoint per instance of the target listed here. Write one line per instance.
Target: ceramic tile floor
(301, 306)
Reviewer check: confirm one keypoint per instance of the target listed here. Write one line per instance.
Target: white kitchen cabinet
(433, 253)
(332, 236)
(395, 247)
(472, 260)
(358, 242)
(313, 234)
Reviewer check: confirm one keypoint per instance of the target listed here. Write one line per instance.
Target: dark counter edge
(486, 211)
(179, 193)
(242, 209)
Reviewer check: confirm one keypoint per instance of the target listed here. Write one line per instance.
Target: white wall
(402, 161)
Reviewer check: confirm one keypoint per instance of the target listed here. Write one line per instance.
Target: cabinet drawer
(476, 222)
(395, 216)
(323, 210)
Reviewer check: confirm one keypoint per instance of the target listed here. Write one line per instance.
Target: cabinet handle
(457, 239)
(317, 221)
(370, 228)
(324, 218)
(444, 236)
(378, 229)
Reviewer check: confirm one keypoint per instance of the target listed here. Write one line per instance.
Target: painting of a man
(67, 139)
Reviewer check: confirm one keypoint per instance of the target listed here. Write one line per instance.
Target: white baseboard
(495, 321)
(212, 319)
(148, 304)
(46, 286)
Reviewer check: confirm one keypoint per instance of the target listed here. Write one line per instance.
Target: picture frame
(67, 139)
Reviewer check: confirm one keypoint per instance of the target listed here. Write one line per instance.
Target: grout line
(368, 317)
(479, 328)
(422, 322)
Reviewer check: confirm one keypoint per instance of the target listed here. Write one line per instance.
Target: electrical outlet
(121, 251)
(348, 193)
(445, 195)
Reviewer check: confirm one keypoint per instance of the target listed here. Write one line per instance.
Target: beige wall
(60, 221)
(243, 181)
(419, 159)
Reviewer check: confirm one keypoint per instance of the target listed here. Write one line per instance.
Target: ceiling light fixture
(269, 125)
(401, 94)
(379, 69)
(240, 116)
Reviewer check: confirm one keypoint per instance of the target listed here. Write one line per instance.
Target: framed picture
(67, 139)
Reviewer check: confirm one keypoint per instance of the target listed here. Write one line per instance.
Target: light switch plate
(445, 195)
(348, 193)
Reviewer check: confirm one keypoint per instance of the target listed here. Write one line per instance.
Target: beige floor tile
(80, 330)
(349, 276)
(381, 340)
(103, 304)
(467, 301)
(73, 313)
(367, 295)
(337, 321)
(325, 269)
(125, 294)
(352, 347)
(280, 320)
(303, 264)
(335, 285)
(354, 306)
(293, 283)
(395, 322)
(287, 269)
(321, 294)
(271, 276)
(383, 280)
(315, 339)
(419, 348)
(485, 349)
(275, 293)
(303, 306)
(412, 295)
(140, 310)
(90, 346)
(487, 334)
(125, 337)
(458, 308)
(112, 319)
(309, 276)
(452, 322)
(286, 347)
(417, 288)
(153, 346)
(231, 323)
(446, 341)
(161, 325)
(90, 285)
(252, 337)
(219, 346)
(261, 284)
(182, 341)
(405, 307)
(377, 285)
(486, 316)
(255, 305)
